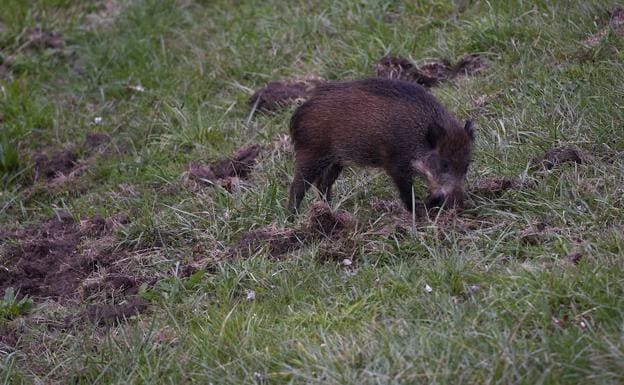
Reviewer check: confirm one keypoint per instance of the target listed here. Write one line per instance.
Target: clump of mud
(558, 156)
(322, 223)
(276, 95)
(430, 73)
(226, 172)
(47, 260)
(616, 23)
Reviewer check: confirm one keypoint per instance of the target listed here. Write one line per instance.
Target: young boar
(391, 124)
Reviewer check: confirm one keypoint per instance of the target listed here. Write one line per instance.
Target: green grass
(500, 310)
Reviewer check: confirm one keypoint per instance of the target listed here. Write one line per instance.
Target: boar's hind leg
(306, 173)
(326, 180)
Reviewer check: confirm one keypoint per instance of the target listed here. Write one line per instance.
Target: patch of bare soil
(276, 95)
(430, 73)
(560, 155)
(52, 259)
(321, 224)
(616, 22)
(225, 172)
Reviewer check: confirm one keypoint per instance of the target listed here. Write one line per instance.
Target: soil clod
(322, 221)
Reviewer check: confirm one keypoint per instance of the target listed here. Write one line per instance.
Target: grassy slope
(490, 315)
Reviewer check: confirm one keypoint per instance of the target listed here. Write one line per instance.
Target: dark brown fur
(391, 124)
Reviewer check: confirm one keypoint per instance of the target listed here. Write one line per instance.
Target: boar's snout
(454, 199)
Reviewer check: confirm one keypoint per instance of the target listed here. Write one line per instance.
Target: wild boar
(391, 124)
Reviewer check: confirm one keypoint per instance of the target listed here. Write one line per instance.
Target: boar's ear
(469, 127)
(435, 133)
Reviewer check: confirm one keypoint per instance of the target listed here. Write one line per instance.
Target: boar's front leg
(403, 181)
(307, 171)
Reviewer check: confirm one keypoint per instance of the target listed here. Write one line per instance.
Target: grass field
(126, 269)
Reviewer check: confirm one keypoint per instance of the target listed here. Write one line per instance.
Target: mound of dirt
(225, 172)
(432, 72)
(46, 260)
(560, 155)
(276, 95)
(323, 222)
